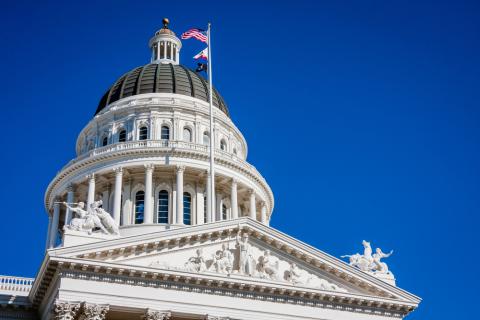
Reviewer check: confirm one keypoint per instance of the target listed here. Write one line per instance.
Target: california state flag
(202, 55)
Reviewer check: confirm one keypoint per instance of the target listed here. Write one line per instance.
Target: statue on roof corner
(371, 263)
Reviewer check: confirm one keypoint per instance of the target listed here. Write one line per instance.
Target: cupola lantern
(165, 45)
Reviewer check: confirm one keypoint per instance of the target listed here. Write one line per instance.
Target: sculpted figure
(93, 217)
(93, 213)
(297, 276)
(106, 220)
(245, 259)
(223, 260)
(84, 222)
(380, 267)
(267, 267)
(363, 262)
(371, 263)
(196, 263)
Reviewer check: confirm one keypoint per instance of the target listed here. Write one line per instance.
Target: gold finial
(165, 23)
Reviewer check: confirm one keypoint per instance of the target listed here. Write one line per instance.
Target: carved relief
(94, 311)
(151, 314)
(196, 263)
(223, 260)
(65, 310)
(246, 260)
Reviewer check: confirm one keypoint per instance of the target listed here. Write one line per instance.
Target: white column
(234, 200)
(54, 225)
(209, 205)
(158, 50)
(70, 199)
(47, 242)
(127, 203)
(180, 170)
(117, 197)
(264, 213)
(253, 207)
(148, 215)
(91, 189)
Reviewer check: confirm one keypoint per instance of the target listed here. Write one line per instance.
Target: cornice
(211, 284)
(150, 244)
(238, 165)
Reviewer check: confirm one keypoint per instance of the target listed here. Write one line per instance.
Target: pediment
(244, 251)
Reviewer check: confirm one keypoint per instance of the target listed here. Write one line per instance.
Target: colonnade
(212, 214)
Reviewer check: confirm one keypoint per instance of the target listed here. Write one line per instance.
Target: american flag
(195, 33)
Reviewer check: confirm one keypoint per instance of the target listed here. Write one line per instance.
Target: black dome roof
(165, 78)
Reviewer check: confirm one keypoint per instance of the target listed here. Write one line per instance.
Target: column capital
(91, 176)
(251, 192)
(149, 166)
(93, 311)
(234, 181)
(263, 204)
(118, 170)
(180, 168)
(70, 187)
(151, 314)
(65, 310)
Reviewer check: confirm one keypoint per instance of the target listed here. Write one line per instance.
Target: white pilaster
(117, 200)
(91, 189)
(253, 207)
(234, 200)
(54, 225)
(180, 170)
(264, 213)
(148, 215)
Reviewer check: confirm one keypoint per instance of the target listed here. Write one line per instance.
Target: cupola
(165, 45)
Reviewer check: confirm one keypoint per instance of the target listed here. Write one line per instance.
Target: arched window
(143, 133)
(187, 134)
(187, 208)
(139, 206)
(162, 207)
(122, 136)
(165, 133)
(224, 212)
(223, 145)
(104, 141)
(206, 138)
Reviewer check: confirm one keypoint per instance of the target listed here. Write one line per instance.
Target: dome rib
(161, 78)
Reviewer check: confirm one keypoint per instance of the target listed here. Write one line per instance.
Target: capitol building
(132, 233)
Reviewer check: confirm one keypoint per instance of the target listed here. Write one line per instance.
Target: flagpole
(212, 134)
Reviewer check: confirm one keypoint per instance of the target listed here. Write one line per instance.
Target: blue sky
(362, 115)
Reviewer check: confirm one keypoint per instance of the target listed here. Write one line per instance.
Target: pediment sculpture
(245, 260)
(92, 218)
(371, 263)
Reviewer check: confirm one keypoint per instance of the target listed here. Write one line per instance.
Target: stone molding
(65, 310)
(151, 314)
(91, 311)
(69, 262)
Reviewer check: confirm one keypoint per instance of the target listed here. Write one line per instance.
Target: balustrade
(11, 284)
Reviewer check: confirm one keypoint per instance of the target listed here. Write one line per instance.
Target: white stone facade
(164, 253)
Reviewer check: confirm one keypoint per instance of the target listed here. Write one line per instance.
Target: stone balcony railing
(15, 285)
(160, 145)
